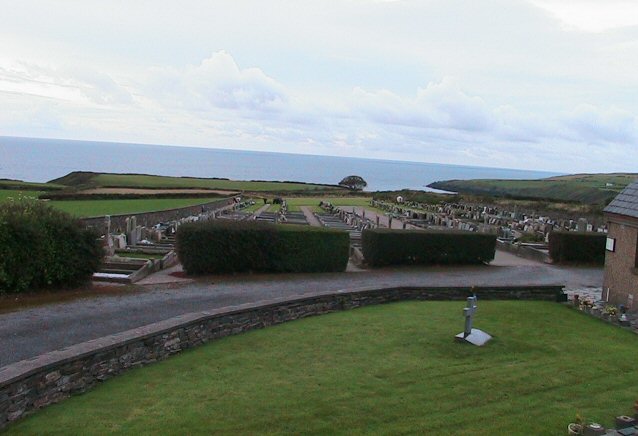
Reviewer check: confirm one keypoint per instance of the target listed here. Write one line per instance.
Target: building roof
(625, 203)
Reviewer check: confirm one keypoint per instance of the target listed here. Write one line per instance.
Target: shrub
(224, 246)
(399, 247)
(577, 247)
(43, 247)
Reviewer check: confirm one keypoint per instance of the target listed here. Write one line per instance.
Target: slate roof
(625, 203)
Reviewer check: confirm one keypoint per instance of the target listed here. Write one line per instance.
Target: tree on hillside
(354, 183)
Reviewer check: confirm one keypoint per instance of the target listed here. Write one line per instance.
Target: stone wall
(524, 251)
(620, 283)
(31, 384)
(148, 219)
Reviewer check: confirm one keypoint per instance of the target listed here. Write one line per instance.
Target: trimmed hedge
(224, 246)
(42, 247)
(577, 247)
(383, 247)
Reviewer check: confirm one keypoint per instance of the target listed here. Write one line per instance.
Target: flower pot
(574, 429)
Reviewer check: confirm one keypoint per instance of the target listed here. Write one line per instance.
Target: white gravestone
(469, 334)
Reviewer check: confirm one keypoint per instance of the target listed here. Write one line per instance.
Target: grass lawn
(5, 194)
(88, 208)
(391, 369)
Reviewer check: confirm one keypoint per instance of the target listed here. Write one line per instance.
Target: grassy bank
(390, 369)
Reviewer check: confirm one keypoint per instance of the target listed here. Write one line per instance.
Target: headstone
(471, 335)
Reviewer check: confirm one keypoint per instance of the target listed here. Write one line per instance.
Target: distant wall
(31, 384)
(151, 218)
(524, 251)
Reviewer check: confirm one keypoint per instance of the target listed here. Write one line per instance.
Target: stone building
(620, 284)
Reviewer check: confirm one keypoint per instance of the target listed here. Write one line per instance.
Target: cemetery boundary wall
(34, 383)
(524, 251)
(148, 219)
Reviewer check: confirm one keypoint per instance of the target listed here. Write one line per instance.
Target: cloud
(218, 82)
(74, 84)
(439, 105)
(592, 124)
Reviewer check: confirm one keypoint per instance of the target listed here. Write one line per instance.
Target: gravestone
(471, 335)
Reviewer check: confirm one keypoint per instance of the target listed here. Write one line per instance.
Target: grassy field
(294, 203)
(79, 179)
(89, 208)
(5, 194)
(29, 186)
(390, 369)
(584, 188)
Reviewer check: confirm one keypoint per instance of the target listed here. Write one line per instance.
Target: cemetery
(521, 379)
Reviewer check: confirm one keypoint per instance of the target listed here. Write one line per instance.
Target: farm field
(91, 208)
(93, 180)
(388, 369)
(584, 188)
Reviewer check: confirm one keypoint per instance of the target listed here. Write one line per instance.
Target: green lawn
(5, 194)
(295, 203)
(89, 208)
(391, 369)
(143, 181)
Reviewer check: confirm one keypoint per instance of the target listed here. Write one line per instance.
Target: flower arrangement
(610, 310)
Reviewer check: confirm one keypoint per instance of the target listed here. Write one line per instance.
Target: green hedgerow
(224, 246)
(43, 247)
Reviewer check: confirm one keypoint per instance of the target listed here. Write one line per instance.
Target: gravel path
(310, 217)
(29, 332)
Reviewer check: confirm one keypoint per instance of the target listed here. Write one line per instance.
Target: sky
(530, 84)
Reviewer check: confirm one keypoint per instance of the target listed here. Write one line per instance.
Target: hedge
(41, 247)
(225, 246)
(577, 247)
(383, 247)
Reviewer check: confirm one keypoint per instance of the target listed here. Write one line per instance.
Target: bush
(43, 247)
(224, 246)
(577, 247)
(400, 247)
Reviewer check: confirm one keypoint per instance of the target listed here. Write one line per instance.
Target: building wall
(620, 283)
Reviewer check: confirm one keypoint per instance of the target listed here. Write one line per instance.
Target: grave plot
(334, 222)
(294, 218)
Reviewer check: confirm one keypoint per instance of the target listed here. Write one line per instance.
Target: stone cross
(468, 312)
(471, 335)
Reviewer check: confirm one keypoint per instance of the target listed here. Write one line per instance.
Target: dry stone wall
(148, 219)
(31, 384)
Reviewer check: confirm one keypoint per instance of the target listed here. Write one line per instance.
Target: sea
(41, 160)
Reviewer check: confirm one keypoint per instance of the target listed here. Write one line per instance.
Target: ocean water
(41, 160)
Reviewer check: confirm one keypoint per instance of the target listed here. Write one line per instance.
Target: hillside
(582, 188)
(84, 180)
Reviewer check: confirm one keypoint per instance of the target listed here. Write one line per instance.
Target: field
(90, 208)
(5, 194)
(93, 180)
(29, 186)
(389, 369)
(584, 188)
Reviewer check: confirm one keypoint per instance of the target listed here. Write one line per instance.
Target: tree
(354, 183)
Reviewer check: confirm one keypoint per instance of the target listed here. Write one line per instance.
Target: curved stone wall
(31, 384)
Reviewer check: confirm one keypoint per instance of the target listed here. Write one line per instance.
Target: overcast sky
(537, 84)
